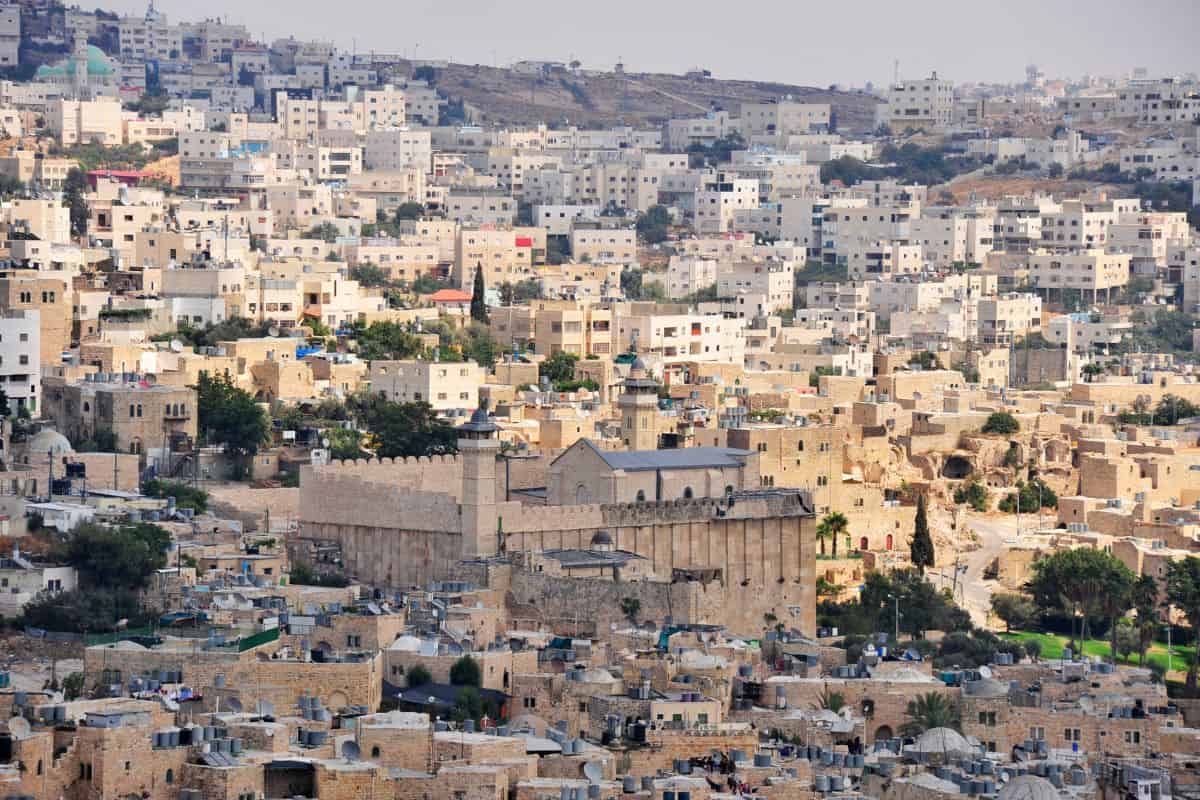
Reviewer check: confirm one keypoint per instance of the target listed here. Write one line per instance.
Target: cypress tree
(921, 549)
(478, 306)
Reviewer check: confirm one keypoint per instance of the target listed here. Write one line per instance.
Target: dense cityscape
(378, 426)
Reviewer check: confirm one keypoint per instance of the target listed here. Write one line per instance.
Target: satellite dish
(234, 704)
(273, 330)
(19, 728)
(593, 772)
(176, 346)
(325, 441)
(265, 708)
(350, 750)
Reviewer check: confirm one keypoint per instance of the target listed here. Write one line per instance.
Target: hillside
(638, 99)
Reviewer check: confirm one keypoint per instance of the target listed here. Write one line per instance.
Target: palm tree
(830, 701)
(1149, 615)
(832, 525)
(930, 710)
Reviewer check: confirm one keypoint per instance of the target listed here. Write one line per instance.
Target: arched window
(888, 542)
(688, 494)
(862, 543)
(375, 751)
(582, 495)
(170, 776)
(728, 490)
(641, 496)
(800, 446)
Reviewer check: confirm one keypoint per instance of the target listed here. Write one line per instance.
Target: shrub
(1001, 422)
(466, 672)
(418, 676)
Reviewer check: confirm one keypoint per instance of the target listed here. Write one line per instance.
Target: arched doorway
(862, 544)
(888, 542)
(883, 732)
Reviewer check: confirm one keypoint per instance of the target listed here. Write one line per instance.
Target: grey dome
(49, 441)
(638, 364)
(942, 740)
(1028, 787)
(602, 538)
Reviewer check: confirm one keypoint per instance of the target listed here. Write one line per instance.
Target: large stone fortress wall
(400, 524)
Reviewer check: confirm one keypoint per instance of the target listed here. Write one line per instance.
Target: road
(974, 593)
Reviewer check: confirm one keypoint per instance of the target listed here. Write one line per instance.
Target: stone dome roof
(942, 740)
(48, 440)
(602, 539)
(1028, 787)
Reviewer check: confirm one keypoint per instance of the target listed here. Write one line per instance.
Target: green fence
(248, 642)
(118, 636)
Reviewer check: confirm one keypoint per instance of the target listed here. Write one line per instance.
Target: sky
(795, 41)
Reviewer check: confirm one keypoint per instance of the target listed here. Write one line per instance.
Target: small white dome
(1028, 787)
(49, 441)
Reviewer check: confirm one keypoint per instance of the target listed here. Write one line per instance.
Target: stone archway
(883, 733)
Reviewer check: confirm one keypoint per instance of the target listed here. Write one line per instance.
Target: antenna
(234, 704)
(593, 772)
(176, 346)
(273, 331)
(350, 750)
(896, 71)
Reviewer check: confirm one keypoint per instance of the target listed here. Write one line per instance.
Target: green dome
(97, 63)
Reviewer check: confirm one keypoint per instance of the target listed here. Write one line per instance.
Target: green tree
(1115, 597)
(1171, 409)
(409, 211)
(974, 494)
(921, 548)
(370, 276)
(72, 686)
(467, 705)
(418, 676)
(75, 189)
(1183, 592)
(832, 526)
(1030, 496)
(409, 430)
(1149, 614)
(386, 341)
(653, 224)
(928, 711)
(228, 416)
(1071, 581)
(186, 495)
(92, 610)
(102, 440)
(326, 232)
(1001, 422)
(1015, 610)
(631, 607)
(829, 700)
(479, 311)
(115, 557)
(559, 367)
(466, 672)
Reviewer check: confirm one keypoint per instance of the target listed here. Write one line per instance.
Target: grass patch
(1053, 644)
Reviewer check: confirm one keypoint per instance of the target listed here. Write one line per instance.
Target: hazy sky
(797, 41)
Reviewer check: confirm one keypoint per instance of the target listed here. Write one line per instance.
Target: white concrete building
(20, 359)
